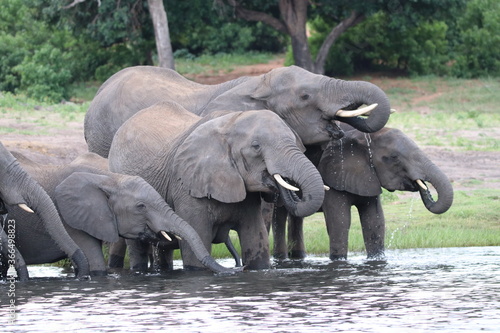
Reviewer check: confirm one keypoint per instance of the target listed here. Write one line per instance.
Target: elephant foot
(141, 268)
(296, 254)
(280, 255)
(116, 261)
(98, 273)
(335, 257)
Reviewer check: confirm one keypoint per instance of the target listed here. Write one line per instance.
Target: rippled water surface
(446, 290)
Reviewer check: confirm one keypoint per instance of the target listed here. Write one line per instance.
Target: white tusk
(393, 111)
(327, 188)
(354, 113)
(178, 237)
(421, 184)
(26, 208)
(283, 183)
(166, 235)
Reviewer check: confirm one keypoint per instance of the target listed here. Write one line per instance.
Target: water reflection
(445, 290)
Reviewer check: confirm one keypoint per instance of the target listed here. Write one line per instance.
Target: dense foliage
(45, 47)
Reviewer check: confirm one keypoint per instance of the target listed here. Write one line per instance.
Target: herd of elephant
(179, 164)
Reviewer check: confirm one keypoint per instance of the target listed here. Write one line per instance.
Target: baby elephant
(356, 168)
(96, 205)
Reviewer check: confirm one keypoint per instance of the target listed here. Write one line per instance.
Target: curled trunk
(359, 93)
(441, 183)
(307, 178)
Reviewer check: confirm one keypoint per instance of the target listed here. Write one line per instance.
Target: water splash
(406, 222)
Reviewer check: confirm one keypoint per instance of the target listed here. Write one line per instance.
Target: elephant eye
(304, 97)
(255, 144)
(141, 206)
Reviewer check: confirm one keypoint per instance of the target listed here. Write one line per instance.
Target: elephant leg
(296, 237)
(337, 211)
(164, 259)
(11, 252)
(138, 255)
(280, 248)
(92, 248)
(117, 252)
(372, 220)
(254, 239)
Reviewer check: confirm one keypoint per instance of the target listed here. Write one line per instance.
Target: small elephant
(309, 103)
(213, 170)
(95, 206)
(356, 168)
(19, 189)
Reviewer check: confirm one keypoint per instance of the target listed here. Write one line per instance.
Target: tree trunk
(162, 35)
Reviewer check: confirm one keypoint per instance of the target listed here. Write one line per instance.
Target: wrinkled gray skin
(214, 172)
(356, 168)
(95, 206)
(18, 187)
(307, 102)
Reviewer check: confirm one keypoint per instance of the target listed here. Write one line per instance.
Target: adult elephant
(307, 102)
(356, 168)
(19, 189)
(213, 173)
(97, 205)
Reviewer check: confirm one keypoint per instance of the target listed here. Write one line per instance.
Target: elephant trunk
(38, 200)
(443, 187)
(168, 221)
(306, 177)
(357, 93)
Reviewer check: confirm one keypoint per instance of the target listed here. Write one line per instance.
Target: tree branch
(251, 15)
(76, 2)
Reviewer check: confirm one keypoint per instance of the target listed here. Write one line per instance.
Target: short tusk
(283, 183)
(166, 235)
(26, 208)
(178, 237)
(354, 113)
(421, 184)
(327, 188)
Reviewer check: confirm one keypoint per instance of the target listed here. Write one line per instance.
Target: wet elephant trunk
(306, 177)
(167, 220)
(441, 183)
(358, 93)
(38, 200)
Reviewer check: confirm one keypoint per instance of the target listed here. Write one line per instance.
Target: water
(423, 290)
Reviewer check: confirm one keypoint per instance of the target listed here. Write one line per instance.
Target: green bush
(478, 50)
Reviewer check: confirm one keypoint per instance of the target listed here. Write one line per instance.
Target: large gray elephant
(307, 102)
(213, 173)
(356, 168)
(97, 205)
(19, 189)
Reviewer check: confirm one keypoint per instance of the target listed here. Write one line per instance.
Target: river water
(421, 290)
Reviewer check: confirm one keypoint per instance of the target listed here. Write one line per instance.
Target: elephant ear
(346, 166)
(204, 163)
(82, 201)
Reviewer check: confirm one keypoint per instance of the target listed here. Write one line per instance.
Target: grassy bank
(452, 114)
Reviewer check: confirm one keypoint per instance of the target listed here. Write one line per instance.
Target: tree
(292, 16)
(292, 21)
(162, 35)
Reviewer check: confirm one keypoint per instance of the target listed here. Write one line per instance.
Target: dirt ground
(466, 169)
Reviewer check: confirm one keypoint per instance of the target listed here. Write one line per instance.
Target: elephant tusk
(327, 188)
(283, 183)
(354, 113)
(26, 208)
(421, 184)
(166, 235)
(178, 237)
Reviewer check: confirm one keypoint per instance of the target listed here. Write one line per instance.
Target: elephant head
(362, 163)
(113, 205)
(228, 155)
(18, 188)
(309, 103)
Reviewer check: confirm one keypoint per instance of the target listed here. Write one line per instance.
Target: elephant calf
(356, 168)
(96, 205)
